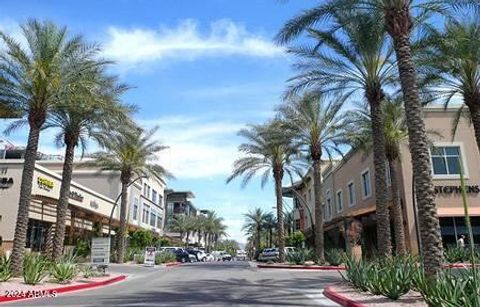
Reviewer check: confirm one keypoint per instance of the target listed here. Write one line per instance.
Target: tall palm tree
(354, 56)
(84, 113)
(271, 151)
(180, 223)
(219, 231)
(270, 226)
(395, 132)
(32, 77)
(255, 222)
(454, 58)
(399, 23)
(130, 153)
(318, 126)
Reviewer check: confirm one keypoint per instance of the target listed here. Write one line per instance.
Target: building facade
(348, 187)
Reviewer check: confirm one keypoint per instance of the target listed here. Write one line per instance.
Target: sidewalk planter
(301, 267)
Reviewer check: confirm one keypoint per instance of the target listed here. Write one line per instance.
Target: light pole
(304, 203)
(116, 203)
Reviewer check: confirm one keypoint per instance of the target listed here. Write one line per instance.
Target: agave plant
(5, 269)
(334, 256)
(35, 268)
(63, 271)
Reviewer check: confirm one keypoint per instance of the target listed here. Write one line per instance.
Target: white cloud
(185, 41)
(199, 147)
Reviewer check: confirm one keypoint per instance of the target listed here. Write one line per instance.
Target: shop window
(366, 184)
(351, 194)
(159, 222)
(145, 213)
(446, 160)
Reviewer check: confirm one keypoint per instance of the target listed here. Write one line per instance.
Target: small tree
(141, 238)
(296, 239)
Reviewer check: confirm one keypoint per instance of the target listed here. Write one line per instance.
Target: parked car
(181, 254)
(272, 254)
(241, 255)
(209, 258)
(222, 256)
(199, 254)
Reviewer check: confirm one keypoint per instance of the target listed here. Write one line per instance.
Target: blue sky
(201, 70)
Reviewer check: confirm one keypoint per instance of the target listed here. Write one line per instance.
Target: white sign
(149, 256)
(100, 251)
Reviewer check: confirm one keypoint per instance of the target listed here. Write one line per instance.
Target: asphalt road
(203, 284)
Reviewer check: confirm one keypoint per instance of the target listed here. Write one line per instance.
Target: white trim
(336, 201)
(369, 183)
(351, 204)
(462, 155)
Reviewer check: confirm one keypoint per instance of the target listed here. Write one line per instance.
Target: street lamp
(304, 203)
(116, 203)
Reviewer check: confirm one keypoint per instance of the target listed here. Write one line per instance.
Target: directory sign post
(149, 256)
(100, 251)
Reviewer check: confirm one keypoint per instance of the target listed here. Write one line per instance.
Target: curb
(172, 264)
(54, 291)
(318, 268)
(340, 299)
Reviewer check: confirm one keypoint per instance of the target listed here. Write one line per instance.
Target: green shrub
(449, 288)
(141, 238)
(5, 269)
(88, 271)
(82, 248)
(334, 256)
(295, 239)
(63, 271)
(454, 254)
(357, 273)
(301, 256)
(139, 258)
(131, 252)
(35, 268)
(164, 257)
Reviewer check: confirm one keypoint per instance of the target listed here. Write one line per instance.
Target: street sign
(149, 256)
(100, 251)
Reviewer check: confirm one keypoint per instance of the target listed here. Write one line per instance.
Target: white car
(271, 254)
(241, 255)
(209, 258)
(222, 256)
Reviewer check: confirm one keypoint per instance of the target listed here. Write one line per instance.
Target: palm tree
(454, 58)
(255, 222)
(129, 153)
(269, 150)
(354, 56)
(32, 77)
(180, 223)
(219, 231)
(395, 133)
(318, 126)
(399, 23)
(85, 113)
(270, 225)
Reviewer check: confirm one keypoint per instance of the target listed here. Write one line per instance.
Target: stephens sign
(447, 189)
(44, 184)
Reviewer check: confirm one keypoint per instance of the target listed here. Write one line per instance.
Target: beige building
(349, 193)
(92, 198)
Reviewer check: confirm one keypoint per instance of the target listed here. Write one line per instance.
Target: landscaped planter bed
(299, 267)
(345, 295)
(16, 289)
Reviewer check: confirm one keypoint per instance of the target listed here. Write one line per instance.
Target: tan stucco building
(92, 198)
(349, 193)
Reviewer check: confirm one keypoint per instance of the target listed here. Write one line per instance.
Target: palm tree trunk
(384, 239)
(399, 25)
(123, 219)
(25, 198)
(270, 230)
(188, 236)
(280, 227)
(258, 238)
(397, 211)
(62, 206)
(318, 233)
(474, 110)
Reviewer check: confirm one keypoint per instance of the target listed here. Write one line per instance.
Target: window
(153, 219)
(351, 194)
(148, 191)
(328, 213)
(446, 160)
(159, 221)
(154, 196)
(366, 184)
(146, 213)
(160, 200)
(135, 208)
(145, 189)
(339, 201)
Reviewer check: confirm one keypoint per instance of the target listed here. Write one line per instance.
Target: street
(203, 284)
